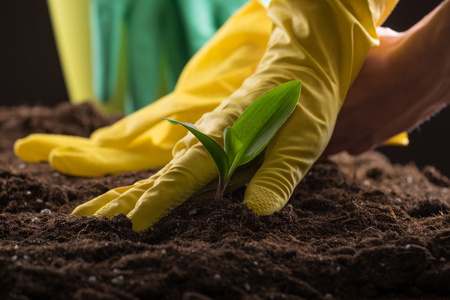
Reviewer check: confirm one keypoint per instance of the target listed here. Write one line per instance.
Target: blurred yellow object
(70, 22)
(400, 139)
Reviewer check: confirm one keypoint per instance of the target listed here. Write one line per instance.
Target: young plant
(251, 132)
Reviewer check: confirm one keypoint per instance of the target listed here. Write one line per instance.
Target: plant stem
(221, 189)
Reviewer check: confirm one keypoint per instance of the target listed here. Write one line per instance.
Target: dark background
(30, 72)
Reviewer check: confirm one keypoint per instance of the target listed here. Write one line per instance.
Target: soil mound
(355, 228)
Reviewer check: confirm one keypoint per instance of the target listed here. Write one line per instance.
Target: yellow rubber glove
(142, 140)
(323, 43)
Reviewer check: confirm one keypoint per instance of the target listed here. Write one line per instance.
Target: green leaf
(214, 149)
(261, 120)
(232, 144)
(251, 132)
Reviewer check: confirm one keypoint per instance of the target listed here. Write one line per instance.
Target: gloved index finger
(186, 175)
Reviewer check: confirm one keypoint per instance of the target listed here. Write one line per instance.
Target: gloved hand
(323, 43)
(160, 35)
(142, 140)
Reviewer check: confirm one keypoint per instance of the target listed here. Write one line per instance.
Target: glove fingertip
(30, 151)
(140, 223)
(139, 226)
(263, 201)
(83, 210)
(19, 148)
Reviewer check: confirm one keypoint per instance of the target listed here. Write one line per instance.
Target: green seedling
(251, 132)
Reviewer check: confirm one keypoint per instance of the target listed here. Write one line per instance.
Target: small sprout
(251, 132)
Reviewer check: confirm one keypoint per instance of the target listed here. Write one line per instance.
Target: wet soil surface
(356, 228)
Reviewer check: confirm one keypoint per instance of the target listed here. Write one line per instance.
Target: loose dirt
(355, 228)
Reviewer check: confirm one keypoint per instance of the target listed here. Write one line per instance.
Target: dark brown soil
(356, 228)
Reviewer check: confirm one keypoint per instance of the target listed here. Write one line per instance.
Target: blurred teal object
(156, 39)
